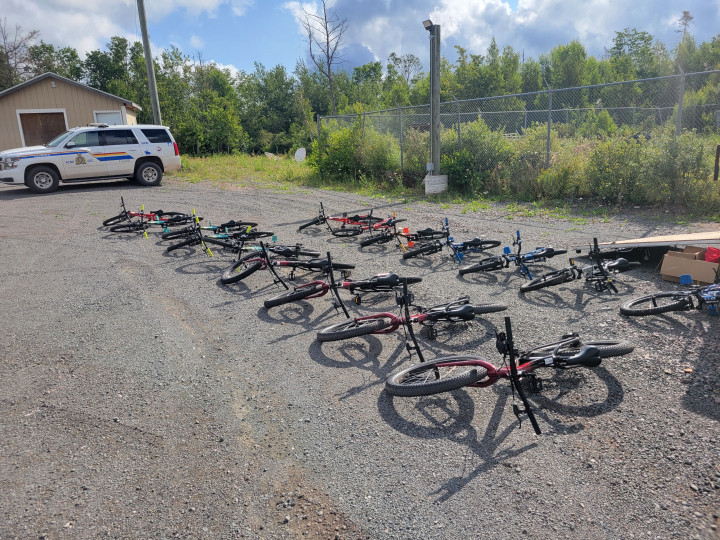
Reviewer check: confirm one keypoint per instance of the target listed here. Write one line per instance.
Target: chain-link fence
(687, 101)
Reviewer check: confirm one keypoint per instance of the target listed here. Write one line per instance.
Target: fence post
(681, 98)
(547, 150)
(402, 169)
(457, 103)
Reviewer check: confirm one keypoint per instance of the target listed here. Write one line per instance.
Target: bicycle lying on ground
(157, 217)
(230, 241)
(231, 226)
(349, 225)
(388, 235)
(450, 373)
(599, 274)
(381, 283)
(250, 263)
(458, 249)
(664, 302)
(521, 260)
(459, 310)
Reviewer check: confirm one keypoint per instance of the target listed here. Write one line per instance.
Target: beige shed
(36, 111)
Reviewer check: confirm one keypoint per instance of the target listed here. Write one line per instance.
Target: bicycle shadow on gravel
(450, 415)
(361, 353)
(584, 296)
(299, 314)
(697, 351)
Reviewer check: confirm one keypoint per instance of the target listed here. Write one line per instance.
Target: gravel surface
(142, 398)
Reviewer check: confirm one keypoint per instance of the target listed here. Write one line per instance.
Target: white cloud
(196, 42)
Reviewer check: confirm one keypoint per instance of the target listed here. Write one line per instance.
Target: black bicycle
(229, 241)
(518, 259)
(600, 274)
(228, 227)
(693, 298)
(458, 249)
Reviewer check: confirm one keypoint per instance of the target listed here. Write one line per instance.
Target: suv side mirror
(70, 144)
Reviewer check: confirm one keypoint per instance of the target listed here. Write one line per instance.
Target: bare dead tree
(324, 35)
(14, 54)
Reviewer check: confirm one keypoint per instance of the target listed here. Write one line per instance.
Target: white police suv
(94, 152)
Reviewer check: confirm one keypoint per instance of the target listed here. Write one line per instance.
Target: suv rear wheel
(42, 179)
(148, 173)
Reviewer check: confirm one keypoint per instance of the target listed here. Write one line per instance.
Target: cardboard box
(690, 260)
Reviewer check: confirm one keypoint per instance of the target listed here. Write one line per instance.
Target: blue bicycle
(694, 298)
(458, 249)
(518, 258)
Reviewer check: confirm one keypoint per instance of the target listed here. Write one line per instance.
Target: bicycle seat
(466, 312)
(588, 356)
(391, 279)
(619, 264)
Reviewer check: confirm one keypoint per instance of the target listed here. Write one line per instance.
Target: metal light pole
(152, 88)
(434, 29)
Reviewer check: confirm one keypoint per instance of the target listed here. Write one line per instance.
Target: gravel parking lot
(142, 398)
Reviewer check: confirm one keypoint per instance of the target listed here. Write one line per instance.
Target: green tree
(65, 62)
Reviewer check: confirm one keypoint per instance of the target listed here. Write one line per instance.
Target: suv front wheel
(148, 174)
(42, 179)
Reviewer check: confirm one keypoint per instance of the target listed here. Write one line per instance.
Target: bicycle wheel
(241, 268)
(488, 308)
(130, 227)
(655, 304)
(115, 220)
(316, 221)
(431, 234)
(431, 378)
(180, 233)
(174, 219)
(488, 265)
(482, 245)
(377, 239)
(193, 241)
(607, 348)
(548, 280)
(351, 329)
(292, 296)
(347, 231)
(422, 250)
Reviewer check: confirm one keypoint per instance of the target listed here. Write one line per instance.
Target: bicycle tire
(607, 347)
(483, 245)
(549, 280)
(351, 329)
(316, 221)
(377, 239)
(133, 226)
(676, 301)
(115, 220)
(189, 242)
(222, 243)
(488, 265)
(481, 309)
(180, 233)
(347, 232)
(431, 234)
(292, 251)
(428, 378)
(241, 269)
(422, 250)
(173, 219)
(292, 296)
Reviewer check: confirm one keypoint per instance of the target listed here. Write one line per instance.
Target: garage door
(41, 128)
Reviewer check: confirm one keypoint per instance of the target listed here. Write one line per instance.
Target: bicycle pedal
(357, 299)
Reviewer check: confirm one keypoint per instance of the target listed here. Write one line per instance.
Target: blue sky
(238, 33)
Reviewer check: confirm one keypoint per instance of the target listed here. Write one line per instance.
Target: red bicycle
(157, 217)
(349, 225)
(459, 310)
(450, 373)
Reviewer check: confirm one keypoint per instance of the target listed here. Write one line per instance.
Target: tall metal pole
(152, 87)
(435, 98)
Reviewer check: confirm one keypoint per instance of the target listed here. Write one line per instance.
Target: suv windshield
(57, 141)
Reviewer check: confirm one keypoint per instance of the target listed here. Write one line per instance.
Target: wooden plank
(669, 240)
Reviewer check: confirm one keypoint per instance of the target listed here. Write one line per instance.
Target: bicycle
(227, 227)
(459, 310)
(380, 283)
(252, 262)
(349, 225)
(664, 302)
(459, 249)
(453, 372)
(231, 241)
(599, 274)
(157, 217)
(519, 259)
